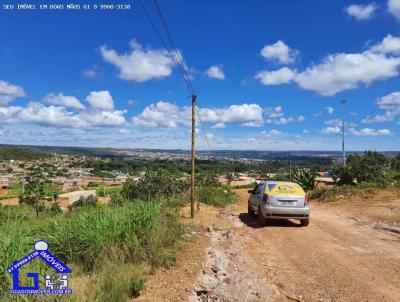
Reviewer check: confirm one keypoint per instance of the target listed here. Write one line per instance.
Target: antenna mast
(343, 102)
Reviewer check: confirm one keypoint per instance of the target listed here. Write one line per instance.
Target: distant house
(6, 181)
(324, 181)
(68, 199)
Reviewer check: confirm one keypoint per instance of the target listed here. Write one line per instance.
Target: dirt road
(333, 259)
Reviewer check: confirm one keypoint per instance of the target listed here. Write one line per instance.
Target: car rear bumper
(271, 212)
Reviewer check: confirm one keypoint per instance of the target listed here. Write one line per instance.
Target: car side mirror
(250, 191)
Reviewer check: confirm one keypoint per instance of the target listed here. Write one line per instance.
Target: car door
(257, 196)
(253, 199)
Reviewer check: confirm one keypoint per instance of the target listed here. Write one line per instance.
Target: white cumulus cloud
(342, 71)
(140, 64)
(360, 11)
(279, 52)
(54, 111)
(165, 114)
(283, 75)
(389, 45)
(60, 117)
(276, 115)
(391, 104)
(269, 133)
(394, 8)
(210, 136)
(327, 111)
(101, 100)
(274, 112)
(216, 72)
(370, 132)
(338, 123)
(9, 92)
(219, 125)
(63, 100)
(90, 73)
(331, 130)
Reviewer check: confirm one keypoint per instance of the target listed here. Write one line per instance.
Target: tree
(33, 195)
(161, 183)
(395, 164)
(370, 166)
(343, 175)
(210, 180)
(229, 178)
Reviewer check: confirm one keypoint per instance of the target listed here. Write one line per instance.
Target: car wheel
(305, 222)
(261, 219)
(250, 211)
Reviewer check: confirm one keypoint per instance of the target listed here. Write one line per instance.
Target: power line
(179, 63)
(175, 50)
(177, 58)
(172, 53)
(203, 131)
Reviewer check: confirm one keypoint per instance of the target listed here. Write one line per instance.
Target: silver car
(279, 200)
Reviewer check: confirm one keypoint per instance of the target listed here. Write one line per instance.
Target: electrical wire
(172, 53)
(176, 55)
(173, 45)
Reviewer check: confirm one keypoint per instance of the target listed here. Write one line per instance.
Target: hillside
(16, 153)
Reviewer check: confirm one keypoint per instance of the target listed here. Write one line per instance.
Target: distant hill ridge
(19, 153)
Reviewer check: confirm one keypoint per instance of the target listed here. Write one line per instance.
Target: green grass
(107, 191)
(216, 196)
(49, 190)
(97, 242)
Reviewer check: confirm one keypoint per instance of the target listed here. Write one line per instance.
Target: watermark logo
(53, 284)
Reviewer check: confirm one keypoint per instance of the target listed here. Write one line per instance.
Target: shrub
(154, 184)
(217, 196)
(136, 286)
(54, 209)
(117, 200)
(281, 177)
(317, 193)
(304, 177)
(89, 201)
(210, 180)
(343, 175)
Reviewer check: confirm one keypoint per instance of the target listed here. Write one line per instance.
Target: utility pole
(290, 171)
(343, 102)
(193, 154)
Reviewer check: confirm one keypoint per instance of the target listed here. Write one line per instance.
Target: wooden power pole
(193, 154)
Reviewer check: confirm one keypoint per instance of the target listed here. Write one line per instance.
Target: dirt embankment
(335, 258)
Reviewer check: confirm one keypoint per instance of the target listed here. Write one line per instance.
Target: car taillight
(265, 198)
(307, 199)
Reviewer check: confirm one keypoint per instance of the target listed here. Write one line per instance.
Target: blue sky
(269, 75)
